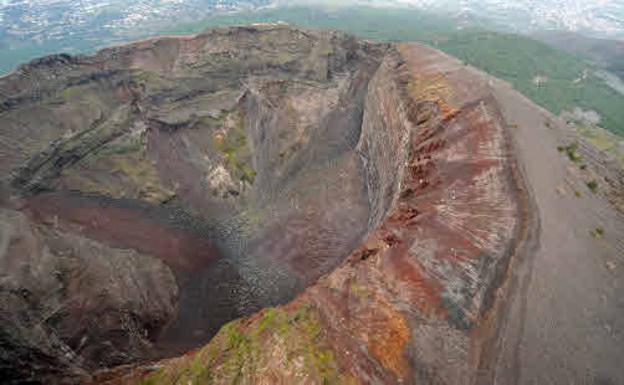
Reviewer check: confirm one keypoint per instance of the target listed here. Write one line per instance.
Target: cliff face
(193, 181)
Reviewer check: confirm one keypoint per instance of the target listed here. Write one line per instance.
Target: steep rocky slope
(282, 205)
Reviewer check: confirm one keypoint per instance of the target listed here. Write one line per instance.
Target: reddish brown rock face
(370, 188)
(435, 263)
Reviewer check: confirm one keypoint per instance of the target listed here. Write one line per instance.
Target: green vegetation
(234, 147)
(603, 141)
(570, 151)
(237, 350)
(553, 79)
(593, 186)
(598, 232)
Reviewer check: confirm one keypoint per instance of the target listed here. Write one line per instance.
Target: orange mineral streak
(387, 339)
(433, 88)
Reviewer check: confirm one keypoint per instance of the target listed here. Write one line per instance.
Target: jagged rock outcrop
(368, 187)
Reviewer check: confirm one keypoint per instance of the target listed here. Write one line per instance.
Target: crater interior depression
(156, 191)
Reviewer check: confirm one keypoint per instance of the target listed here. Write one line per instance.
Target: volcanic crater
(156, 191)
